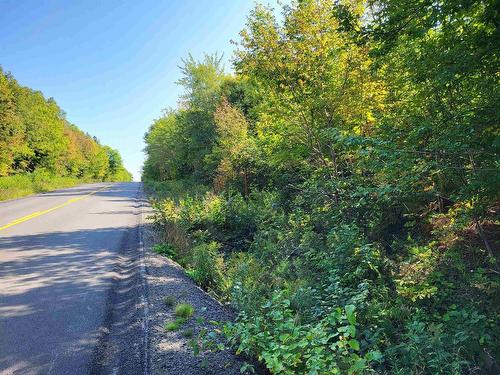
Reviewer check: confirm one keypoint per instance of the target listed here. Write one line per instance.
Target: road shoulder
(170, 352)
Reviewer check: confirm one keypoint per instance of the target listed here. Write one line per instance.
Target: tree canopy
(35, 135)
(352, 174)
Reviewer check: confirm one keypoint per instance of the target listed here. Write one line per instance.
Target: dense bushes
(353, 165)
(410, 305)
(325, 346)
(40, 150)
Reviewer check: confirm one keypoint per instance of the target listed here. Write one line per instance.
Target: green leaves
(354, 344)
(349, 310)
(285, 346)
(353, 162)
(36, 137)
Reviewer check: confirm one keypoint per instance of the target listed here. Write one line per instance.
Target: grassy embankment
(17, 186)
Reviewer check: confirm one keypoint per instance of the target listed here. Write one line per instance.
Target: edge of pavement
(171, 352)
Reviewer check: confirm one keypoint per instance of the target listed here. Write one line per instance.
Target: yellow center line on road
(39, 213)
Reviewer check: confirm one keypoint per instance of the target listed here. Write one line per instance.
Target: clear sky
(112, 65)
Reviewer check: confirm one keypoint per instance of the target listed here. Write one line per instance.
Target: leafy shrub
(318, 267)
(442, 345)
(166, 218)
(164, 249)
(250, 281)
(208, 268)
(366, 162)
(274, 336)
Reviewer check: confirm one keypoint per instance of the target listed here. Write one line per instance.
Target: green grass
(184, 310)
(20, 185)
(169, 301)
(171, 326)
(12, 187)
(174, 326)
(188, 333)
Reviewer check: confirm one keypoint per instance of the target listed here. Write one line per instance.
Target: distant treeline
(35, 136)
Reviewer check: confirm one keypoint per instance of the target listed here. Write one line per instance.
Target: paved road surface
(70, 282)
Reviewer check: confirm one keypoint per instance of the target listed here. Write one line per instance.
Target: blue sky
(112, 65)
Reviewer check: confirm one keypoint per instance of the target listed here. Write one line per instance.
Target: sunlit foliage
(35, 135)
(353, 160)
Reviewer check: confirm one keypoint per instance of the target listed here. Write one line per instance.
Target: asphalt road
(71, 288)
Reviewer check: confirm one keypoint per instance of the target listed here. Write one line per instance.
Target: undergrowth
(340, 189)
(333, 299)
(20, 185)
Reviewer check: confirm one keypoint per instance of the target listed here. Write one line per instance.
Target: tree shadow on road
(69, 301)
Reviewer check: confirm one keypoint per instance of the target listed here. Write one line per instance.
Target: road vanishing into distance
(72, 292)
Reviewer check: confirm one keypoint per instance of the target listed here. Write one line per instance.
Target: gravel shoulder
(170, 352)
